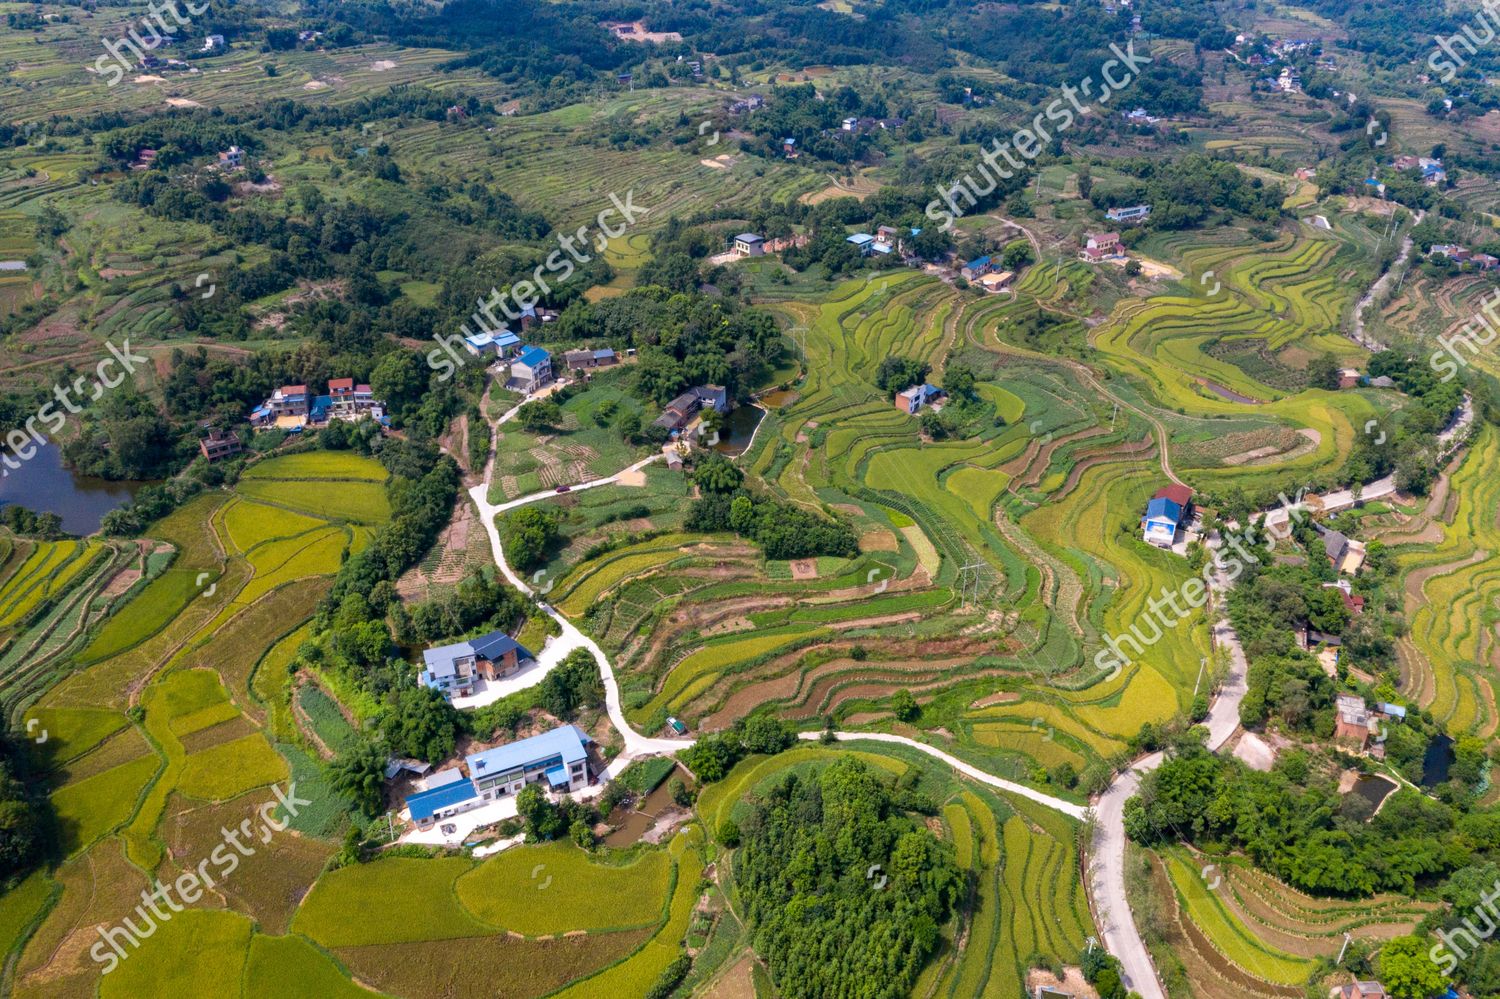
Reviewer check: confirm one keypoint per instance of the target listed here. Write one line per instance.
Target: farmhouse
(1353, 602)
(350, 400)
(499, 344)
(753, 102)
(996, 282)
(1100, 246)
(910, 401)
(219, 444)
(863, 242)
(789, 147)
(531, 315)
(453, 669)
(1135, 213)
(1344, 554)
(1352, 720)
(577, 360)
(232, 158)
(212, 42)
(748, 244)
(1165, 514)
(531, 369)
(558, 757)
(681, 410)
(977, 268)
(289, 403)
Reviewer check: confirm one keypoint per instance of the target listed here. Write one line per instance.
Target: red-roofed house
(1177, 493)
(348, 399)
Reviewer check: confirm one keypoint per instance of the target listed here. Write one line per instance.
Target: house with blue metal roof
(442, 800)
(453, 670)
(1165, 514)
(863, 242)
(1159, 526)
(977, 268)
(559, 758)
(531, 369)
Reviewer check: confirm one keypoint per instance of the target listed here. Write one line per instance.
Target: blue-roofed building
(977, 268)
(863, 242)
(558, 760)
(1159, 526)
(452, 670)
(443, 799)
(481, 344)
(911, 400)
(320, 408)
(506, 343)
(531, 369)
(558, 757)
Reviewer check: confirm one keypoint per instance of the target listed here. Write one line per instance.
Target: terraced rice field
(1452, 587)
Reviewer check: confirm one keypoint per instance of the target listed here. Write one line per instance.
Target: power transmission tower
(963, 586)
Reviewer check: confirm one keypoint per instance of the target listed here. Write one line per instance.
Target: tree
(359, 774)
(959, 379)
(572, 684)
(717, 474)
(896, 373)
(420, 723)
(526, 535)
(905, 705)
(1017, 255)
(539, 414)
(1406, 970)
(400, 380)
(1323, 372)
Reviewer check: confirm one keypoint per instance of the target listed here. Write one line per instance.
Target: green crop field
(579, 894)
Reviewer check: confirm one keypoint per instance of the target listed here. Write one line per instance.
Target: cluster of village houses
(985, 272)
(1463, 255)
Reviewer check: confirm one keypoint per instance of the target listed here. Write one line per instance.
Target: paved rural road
(1358, 335)
(571, 638)
(1066, 807)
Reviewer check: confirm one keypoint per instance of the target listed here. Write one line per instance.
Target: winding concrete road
(968, 770)
(1106, 874)
(571, 638)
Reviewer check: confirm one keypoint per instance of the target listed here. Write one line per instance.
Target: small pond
(46, 485)
(1436, 761)
(738, 430)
